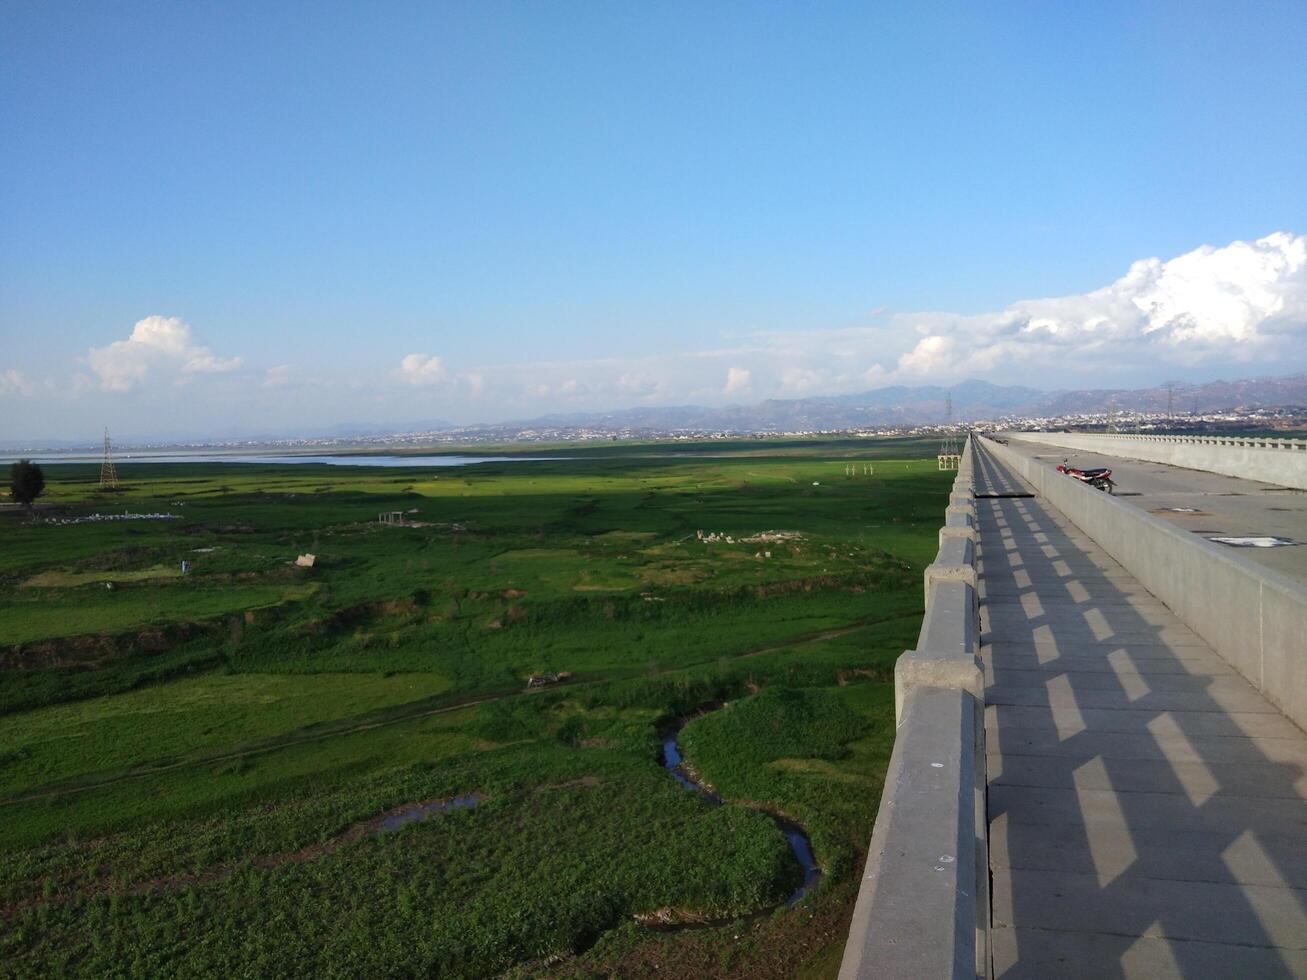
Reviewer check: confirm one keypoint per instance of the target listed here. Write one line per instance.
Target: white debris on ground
(712, 537)
(1256, 541)
(762, 537)
(98, 518)
(767, 537)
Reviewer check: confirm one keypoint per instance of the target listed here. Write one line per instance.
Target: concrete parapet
(967, 510)
(1281, 462)
(950, 624)
(923, 908)
(1255, 618)
(956, 562)
(964, 531)
(929, 669)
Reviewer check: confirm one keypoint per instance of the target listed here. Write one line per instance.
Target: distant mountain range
(928, 405)
(899, 405)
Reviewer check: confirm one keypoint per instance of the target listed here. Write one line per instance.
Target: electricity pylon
(108, 472)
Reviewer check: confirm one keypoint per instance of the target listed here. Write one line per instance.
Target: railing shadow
(1139, 788)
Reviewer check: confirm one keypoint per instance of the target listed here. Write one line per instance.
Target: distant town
(1260, 420)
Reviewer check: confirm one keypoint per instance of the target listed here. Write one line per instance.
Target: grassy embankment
(188, 764)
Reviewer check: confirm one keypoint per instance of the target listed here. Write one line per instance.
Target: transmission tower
(948, 446)
(108, 472)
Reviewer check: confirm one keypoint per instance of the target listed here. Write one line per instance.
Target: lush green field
(193, 768)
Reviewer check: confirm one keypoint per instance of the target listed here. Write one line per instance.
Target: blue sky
(388, 212)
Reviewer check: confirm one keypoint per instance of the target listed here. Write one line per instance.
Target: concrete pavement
(1208, 504)
(1147, 806)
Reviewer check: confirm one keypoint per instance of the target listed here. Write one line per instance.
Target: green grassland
(192, 767)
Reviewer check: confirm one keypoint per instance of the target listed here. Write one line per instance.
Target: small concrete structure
(391, 517)
(306, 561)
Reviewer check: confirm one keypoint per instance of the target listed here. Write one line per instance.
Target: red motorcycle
(1099, 478)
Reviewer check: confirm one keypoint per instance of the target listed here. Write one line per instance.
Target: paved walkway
(1208, 504)
(1147, 807)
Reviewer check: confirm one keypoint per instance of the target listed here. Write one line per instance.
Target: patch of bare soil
(770, 948)
(90, 651)
(800, 585)
(344, 620)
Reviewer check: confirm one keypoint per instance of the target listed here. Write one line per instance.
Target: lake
(124, 459)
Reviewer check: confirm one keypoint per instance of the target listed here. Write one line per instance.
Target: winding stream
(795, 836)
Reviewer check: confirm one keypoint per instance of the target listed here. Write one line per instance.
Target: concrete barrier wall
(923, 908)
(1281, 462)
(1255, 618)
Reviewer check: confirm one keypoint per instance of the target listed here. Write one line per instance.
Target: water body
(422, 811)
(800, 844)
(452, 460)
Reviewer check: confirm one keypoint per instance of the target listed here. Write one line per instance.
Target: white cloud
(931, 354)
(421, 369)
(638, 385)
(1242, 302)
(158, 345)
(874, 376)
(13, 382)
(1238, 302)
(800, 381)
(737, 380)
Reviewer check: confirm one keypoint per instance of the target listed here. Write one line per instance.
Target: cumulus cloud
(13, 382)
(1232, 306)
(421, 369)
(800, 380)
(638, 385)
(158, 346)
(737, 380)
(1241, 302)
(931, 354)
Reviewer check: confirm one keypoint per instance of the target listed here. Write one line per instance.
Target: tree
(26, 482)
